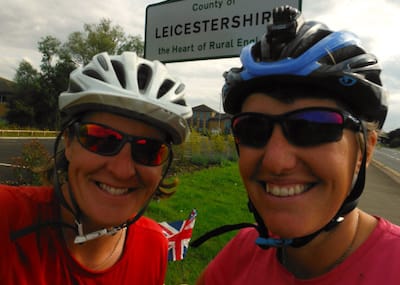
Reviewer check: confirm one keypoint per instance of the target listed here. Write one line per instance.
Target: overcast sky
(24, 22)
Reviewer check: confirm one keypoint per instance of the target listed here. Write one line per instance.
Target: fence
(27, 133)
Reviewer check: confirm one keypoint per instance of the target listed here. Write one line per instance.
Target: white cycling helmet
(131, 86)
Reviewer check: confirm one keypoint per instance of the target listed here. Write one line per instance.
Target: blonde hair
(369, 128)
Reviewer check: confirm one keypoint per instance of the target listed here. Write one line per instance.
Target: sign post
(206, 29)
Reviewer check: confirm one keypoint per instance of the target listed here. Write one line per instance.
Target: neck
(326, 251)
(97, 254)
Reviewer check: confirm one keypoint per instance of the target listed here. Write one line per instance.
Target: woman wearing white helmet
(120, 116)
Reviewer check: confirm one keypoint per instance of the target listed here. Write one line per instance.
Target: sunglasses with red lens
(106, 141)
(303, 127)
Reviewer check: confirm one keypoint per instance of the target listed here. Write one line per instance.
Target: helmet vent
(180, 102)
(143, 76)
(94, 74)
(165, 87)
(103, 62)
(119, 71)
(309, 39)
(180, 88)
(73, 87)
(342, 54)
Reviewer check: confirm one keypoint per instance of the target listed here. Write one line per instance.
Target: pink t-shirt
(376, 261)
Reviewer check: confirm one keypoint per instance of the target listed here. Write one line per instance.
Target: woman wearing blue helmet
(307, 105)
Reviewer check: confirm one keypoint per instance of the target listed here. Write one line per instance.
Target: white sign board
(205, 29)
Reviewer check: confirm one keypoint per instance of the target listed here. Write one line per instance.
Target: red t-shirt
(41, 257)
(376, 261)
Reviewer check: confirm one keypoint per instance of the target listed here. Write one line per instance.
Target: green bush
(3, 123)
(201, 152)
(32, 164)
(394, 143)
(198, 152)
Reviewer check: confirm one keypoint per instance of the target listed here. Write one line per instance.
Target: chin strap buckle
(265, 243)
(81, 237)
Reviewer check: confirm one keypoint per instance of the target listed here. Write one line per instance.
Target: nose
(279, 155)
(122, 165)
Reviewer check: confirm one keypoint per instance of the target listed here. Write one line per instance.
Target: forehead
(265, 103)
(290, 91)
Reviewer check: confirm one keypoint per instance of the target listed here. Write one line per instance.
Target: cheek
(338, 165)
(248, 160)
(350, 155)
(74, 151)
(155, 175)
(151, 176)
(81, 160)
(68, 151)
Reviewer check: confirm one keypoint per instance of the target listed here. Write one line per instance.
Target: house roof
(6, 86)
(203, 108)
(221, 117)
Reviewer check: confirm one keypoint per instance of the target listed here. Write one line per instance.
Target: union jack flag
(178, 234)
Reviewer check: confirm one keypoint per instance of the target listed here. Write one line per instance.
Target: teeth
(113, 190)
(286, 191)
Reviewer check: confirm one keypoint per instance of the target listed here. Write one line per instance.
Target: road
(389, 157)
(381, 196)
(11, 147)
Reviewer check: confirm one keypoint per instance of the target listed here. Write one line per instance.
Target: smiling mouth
(113, 190)
(287, 191)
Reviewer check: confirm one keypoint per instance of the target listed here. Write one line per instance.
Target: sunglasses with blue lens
(303, 127)
(106, 141)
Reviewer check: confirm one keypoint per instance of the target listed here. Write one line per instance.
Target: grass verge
(219, 197)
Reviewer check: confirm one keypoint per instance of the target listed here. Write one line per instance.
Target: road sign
(205, 29)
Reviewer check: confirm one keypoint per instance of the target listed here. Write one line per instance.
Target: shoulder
(23, 206)
(240, 255)
(244, 240)
(148, 229)
(25, 193)
(24, 199)
(241, 247)
(383, 243)
(147, 224)
(241, 261)
(377, 259)
(387, 231)
(146, 242)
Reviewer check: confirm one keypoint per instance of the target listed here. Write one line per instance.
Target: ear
(372, 139)
(67, 143)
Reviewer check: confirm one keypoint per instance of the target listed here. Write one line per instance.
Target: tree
(36, 101)
(82, 46)
(20, 105)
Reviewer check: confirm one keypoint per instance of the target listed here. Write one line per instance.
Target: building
(6, 90)
(208, 121)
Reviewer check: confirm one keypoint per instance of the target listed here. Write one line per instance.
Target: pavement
(395, 175)
(381, 195)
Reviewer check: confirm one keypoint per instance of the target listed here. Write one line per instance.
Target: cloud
(203, 80)
(23, 23)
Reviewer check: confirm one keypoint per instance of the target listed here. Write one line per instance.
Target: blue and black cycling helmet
(298, 53)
